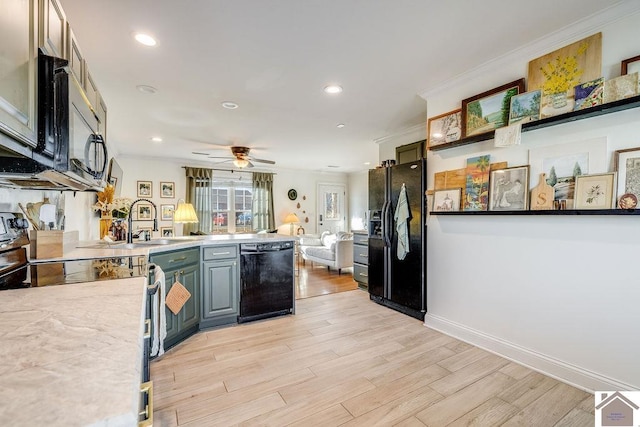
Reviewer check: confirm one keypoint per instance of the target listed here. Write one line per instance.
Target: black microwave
(67, 124)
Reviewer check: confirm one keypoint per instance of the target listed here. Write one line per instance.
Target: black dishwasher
(266, 280)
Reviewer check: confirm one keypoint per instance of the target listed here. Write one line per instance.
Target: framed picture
(144, 212)
(444, 128)
(589, 94)
(167, 212)
(525, 107)
(630, 65)
(144, 189)
(489, 110)
(595, 191)
(558, 72)
(477, 183)
(167, 190)
(447, 200)
(509, 189)
(166, 231)
(627, 164)
(563, 162)
(621, 87)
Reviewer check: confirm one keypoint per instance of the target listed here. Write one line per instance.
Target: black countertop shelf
(550, 212)
(572, 116)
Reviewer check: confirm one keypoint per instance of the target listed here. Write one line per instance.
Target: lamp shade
(291, 218)
(185, 213)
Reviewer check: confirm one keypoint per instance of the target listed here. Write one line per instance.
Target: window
(231, 200)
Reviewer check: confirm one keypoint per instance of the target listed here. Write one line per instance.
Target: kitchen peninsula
(74, 351)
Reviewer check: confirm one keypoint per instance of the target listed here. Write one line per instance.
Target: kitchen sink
(134, 245)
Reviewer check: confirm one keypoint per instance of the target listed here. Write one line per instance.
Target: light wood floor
(314, 280)
(344, 360)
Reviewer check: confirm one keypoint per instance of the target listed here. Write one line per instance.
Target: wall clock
(293, 194)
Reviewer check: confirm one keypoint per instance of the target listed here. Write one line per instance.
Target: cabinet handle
(363, 274)
(221, 253)
(147, 328)
(147, 388)
(364, 255)
(176, 276)
(182, 258)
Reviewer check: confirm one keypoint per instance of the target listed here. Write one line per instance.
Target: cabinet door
(220, 289)
(190, 313)
(76, 59)
(53, 26)
(172, 319)
(18, 37)
(410, 152)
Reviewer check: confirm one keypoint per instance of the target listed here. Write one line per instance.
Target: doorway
(331, 208)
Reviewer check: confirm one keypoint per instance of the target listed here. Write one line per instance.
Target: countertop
(98, 249)
(71, 355)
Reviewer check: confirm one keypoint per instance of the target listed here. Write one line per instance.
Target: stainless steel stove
(17, 273)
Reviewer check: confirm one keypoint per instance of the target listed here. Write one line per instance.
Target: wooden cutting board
(542, 195)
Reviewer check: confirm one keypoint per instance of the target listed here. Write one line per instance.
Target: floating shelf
(572, 116)
(550, 212)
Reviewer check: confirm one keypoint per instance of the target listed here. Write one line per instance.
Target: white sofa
(332, 250)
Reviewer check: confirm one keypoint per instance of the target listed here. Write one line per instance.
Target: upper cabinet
(76, 59)
(53, 29)
(18, 45)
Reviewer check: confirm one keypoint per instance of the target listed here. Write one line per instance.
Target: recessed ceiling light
(146, 89)
(333, 89)
(156, 139)
(333, 166)
(367, 163)
(340, 125)
(229, 105)
(145, 39)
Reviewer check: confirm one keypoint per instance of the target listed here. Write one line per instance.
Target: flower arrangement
(108, 206)
(563, 74)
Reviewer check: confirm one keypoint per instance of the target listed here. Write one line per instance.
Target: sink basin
(134, 245)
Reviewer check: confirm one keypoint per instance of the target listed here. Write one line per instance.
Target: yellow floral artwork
(558, 72)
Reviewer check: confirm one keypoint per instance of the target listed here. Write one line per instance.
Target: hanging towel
(402, 215)
(159, 318)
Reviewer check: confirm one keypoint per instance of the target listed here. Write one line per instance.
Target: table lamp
(291, 219)
(185, 213)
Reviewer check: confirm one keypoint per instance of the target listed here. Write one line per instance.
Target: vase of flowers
(110, 208)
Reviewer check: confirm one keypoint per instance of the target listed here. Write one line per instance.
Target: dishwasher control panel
(265, 247)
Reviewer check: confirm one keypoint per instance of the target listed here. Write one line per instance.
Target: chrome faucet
(130, 219)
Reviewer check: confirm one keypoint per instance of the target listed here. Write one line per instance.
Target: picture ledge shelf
(549, 212)
(598, 110)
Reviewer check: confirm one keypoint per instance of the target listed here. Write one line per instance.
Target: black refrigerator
(399, 284)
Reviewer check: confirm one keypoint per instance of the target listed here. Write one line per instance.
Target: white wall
(558, 293)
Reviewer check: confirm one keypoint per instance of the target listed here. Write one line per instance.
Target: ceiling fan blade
(250, 165)
(270, 162)
(199, 153)
(220, 157)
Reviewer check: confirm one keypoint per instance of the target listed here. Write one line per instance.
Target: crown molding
(402, 132)
(544, 45)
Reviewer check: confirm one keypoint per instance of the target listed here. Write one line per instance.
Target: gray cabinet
(410, 152)
(52, 37)
(182, 266)
(361, 258)
(220, 288)
(18, 44)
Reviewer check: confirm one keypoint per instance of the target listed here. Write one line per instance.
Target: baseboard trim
(573, 375)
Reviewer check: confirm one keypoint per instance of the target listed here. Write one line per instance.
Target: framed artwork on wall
(489, 110)
(477, 183)
(144, 212)
(509, 189)
(558, 72)
(447, 200)
(525, 107)
(595, 191)
(166, 231)
(167, 212)
(444, 128)
(630, 65)
(627, 164)
(144, 189)
(167, 190)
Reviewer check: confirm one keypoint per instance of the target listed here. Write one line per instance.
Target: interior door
(331, 208)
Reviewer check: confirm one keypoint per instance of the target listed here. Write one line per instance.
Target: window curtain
(262, 202)
(199, 185)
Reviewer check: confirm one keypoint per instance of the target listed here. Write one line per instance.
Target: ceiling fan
(241, 158)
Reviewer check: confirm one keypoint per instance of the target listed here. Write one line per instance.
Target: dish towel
(402, 215)
(159, 317)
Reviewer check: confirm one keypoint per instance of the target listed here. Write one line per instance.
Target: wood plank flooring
(314, 279)
(343, 360)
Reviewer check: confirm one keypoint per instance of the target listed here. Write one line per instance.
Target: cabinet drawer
(219, 252)
(360, 239)
(361, 254)
(170, 260)
(361, 273)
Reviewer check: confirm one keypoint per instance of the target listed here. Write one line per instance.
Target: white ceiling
(273, 58)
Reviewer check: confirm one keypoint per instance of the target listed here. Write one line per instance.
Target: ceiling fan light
(241, 163)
